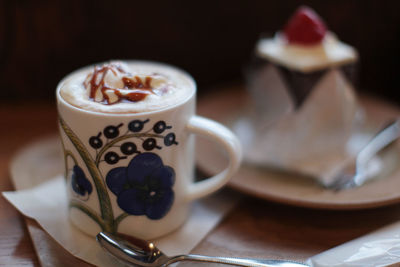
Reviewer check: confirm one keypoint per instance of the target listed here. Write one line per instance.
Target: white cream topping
(331, 52)
(168, 86)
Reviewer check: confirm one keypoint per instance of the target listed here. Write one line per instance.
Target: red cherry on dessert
(305, 27)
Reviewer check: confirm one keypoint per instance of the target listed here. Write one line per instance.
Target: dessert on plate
(302, 84)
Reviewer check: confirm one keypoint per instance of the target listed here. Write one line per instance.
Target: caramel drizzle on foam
(140, 88)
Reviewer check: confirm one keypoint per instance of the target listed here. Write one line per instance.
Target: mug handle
(222, 135)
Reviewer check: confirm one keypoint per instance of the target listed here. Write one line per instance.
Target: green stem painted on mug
(119, 219)
(104, 200)
(68, 153)
(88, 211)
(121, 138)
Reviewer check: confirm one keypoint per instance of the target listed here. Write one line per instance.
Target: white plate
(289, 188)
(36, 163)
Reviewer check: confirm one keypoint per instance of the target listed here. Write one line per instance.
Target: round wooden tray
(287, 187)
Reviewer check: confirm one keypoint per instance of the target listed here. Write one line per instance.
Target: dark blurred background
(43, 40)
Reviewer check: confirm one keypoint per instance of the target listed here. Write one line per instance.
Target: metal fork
(360, 170)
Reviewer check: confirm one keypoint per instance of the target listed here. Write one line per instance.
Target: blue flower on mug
(144, 187)
(80, 184)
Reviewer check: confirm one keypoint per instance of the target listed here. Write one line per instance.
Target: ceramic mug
(133, 173)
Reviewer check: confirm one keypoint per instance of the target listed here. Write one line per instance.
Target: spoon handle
(236, 261)
(381, 140)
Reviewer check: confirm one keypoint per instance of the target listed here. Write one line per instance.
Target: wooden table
(255, 228)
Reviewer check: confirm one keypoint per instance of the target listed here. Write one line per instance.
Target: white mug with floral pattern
(133, 173)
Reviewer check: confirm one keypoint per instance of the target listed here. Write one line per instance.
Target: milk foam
(170, 86)
(331, 52)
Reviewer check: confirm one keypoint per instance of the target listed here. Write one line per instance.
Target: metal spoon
(359, 169)
(142, 253)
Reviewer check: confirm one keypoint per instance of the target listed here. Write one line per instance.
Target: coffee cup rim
(60, 99)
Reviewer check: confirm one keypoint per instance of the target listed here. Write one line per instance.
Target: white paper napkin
(47, 204)
(378, 249)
